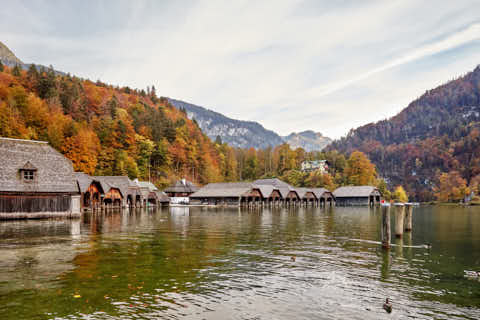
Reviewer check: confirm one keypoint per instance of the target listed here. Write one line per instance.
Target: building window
(28, 175)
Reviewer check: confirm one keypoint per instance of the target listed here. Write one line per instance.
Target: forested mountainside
(107, 130)
(308, 140)
(436, 135)
(237, 133)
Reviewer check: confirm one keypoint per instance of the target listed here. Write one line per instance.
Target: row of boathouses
(36, 181)
(272, 192)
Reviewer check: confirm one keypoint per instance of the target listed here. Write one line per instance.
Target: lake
(230, 263)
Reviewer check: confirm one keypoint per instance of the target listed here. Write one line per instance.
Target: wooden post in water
(399, 218)
(408, 217)
(386, 226)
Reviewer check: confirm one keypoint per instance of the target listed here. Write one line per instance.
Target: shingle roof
(84, 181)
(354, 191)
(266, 190)
(302, 192)
(53, 172)
(147, 184)
(320, 192)
(162, 197)
(123, 183)
(283, 187)
(182, 186)
(224, 190)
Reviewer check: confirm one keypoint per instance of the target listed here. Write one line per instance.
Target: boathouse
(271, 194)
(180, 191)
(91, 192)
(36, 181)
(131, 194)
(324, 196)
(229, 193)
(357, 196)
(288, 193)
(307, 196)
(151, 195)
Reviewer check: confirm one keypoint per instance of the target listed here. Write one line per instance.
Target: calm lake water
(212, 263)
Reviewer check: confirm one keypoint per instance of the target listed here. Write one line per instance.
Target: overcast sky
(327, 66)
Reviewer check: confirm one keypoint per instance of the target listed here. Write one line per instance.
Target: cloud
(291, 65)
(469, 34)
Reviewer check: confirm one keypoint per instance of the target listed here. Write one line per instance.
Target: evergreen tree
(1, 66)
(218, 140)
(16, 71)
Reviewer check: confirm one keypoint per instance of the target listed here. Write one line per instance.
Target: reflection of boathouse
(36, 181)
(357, 196)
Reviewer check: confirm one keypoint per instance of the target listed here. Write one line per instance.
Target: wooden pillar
(408, 217)
(386, 238)
(399, 218)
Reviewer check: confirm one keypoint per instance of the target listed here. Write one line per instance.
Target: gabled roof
(183, 186)
(54, 172)
(147, 184)
(162, 197)
(123, 183)
(320, 192)
(224, 190)
(283, 187)
(354, 191)
(302, 192)
(266, 190)
(84, 181)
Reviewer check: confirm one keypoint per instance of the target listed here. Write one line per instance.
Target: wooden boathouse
(91, 191)
(180, 191)
(324, 197)
(229, 193)
(357, 196)
(36, 181)
(288, 193)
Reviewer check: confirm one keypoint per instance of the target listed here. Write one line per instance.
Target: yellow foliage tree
(359, 170)
(399, 195)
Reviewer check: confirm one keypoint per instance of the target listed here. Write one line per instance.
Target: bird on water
(387, 306)
(293, 258)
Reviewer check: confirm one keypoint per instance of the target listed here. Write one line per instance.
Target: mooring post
(399, 218)
(386, 238)
(408, 217)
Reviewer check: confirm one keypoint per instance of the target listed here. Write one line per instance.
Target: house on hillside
(314, 165)
(229, 193)
(36, 181)
(357, 196)
(180, 191)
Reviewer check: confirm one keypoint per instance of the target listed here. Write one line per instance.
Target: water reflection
(228, 263)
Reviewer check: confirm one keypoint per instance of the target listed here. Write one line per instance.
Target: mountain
(437, 133)
(8, 57)
(237, 133)
(247, 134)
(308, 140)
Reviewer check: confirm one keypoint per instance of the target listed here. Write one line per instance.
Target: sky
(327, 66)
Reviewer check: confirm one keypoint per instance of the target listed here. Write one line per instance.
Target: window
(28, 175)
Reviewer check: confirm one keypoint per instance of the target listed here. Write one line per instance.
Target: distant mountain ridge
(308, 140)
(247, 134)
